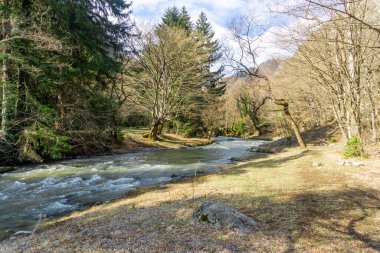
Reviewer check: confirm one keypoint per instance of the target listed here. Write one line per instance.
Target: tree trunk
(373, 114)
(210, 133)
(8, 89)
(341, 122)
(290, 119)
(155, 129)
(160, 128)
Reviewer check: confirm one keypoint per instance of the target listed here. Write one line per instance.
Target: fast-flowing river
(55, 189)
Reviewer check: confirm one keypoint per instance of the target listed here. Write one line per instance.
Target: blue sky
(219, 13)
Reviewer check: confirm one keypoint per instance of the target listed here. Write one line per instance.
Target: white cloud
(219, 14)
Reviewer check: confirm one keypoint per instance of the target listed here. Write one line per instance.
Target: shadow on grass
(316, 216)
(271, 162)
(342, 219)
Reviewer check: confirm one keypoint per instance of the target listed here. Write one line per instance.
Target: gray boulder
(224, 216)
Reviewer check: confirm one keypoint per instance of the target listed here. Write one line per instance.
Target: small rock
(162, 187)
(358, 164)
(224, 216)
(23, 233)
(266, 149)
(174, 176)
(317, 164)
(170, 228)
(235, 159)
(253, 149)
(117, 233)
(346, 163)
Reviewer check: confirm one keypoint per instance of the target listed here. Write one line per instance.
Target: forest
(165, 113)
(75, 73)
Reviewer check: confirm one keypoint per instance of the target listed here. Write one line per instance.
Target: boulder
(317, 164)
(224, 216)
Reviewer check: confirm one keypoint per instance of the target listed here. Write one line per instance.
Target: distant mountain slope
(267, 68)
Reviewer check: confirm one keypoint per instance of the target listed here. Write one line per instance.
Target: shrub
(37, 142)
(354, 148)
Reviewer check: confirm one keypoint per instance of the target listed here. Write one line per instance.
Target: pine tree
(58, 60)
(174, 17)
(171, 17)
(205, 35)
(185, 20)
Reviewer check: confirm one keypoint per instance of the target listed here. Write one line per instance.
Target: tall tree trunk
(8, 87)
(289, 118)
(340, 121)
(373, 113)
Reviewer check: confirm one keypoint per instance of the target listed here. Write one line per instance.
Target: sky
(219, 13)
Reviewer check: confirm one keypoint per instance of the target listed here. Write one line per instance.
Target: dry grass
(300, 208)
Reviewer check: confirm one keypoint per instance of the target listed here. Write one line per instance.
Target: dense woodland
(74, 73)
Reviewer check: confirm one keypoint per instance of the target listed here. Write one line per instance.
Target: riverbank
(133, 141)
(300, 206)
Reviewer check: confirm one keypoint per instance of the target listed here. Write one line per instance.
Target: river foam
(54, 189)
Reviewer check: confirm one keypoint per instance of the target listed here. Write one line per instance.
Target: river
(55, 189)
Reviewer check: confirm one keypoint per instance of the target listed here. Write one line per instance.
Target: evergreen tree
(185, 20)
(192, 120)
(171, 17)
(58, 60)
(174, 17)
(205, 35)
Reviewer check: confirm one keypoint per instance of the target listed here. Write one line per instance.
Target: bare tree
(250, 105)
(341, 57)
(342, 8)
(245, 34)
(167, 72)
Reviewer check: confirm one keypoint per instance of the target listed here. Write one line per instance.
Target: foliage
(60, 59)
(136, 119)
(239, 128)
(38, 142)
(171, 75)
(354, 148)
(211, 84)
(174, 17)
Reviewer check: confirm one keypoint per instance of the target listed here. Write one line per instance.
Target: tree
(23, 31)
(343, 10)
(246, 33)
(194, 119)
(206, 38)
(339, 58)
(174, 17)
(166, 73)
(59, 58)
(250, 106)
